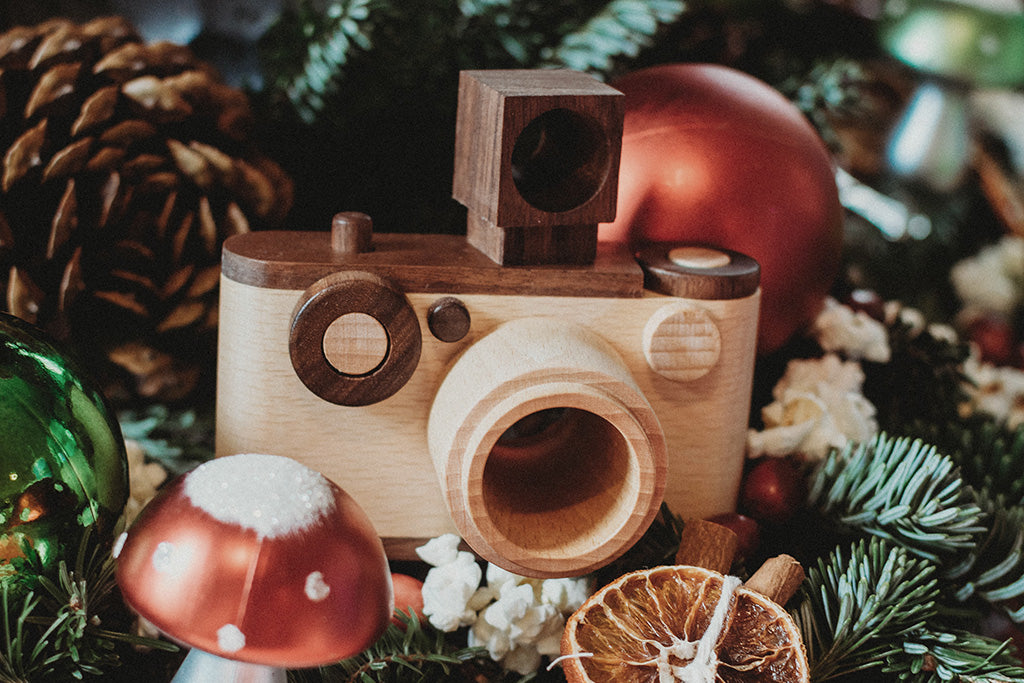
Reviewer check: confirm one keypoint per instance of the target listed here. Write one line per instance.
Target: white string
(572, 655)
(704, 662)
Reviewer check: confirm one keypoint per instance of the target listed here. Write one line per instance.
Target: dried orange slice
(647, 627)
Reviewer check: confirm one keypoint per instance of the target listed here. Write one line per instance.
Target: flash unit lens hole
(560, 160)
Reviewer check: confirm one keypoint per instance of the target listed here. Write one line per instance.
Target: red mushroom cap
(260, 559)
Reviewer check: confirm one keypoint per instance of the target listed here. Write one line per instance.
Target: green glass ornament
(63, 467)
(973, 45)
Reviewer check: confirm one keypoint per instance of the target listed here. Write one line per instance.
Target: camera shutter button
(681, 342)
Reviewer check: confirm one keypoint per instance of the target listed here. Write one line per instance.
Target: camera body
(524, 386)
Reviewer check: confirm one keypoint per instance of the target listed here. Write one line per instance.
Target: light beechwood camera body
(524, 386)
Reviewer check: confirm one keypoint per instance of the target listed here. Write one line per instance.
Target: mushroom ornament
(259, 564)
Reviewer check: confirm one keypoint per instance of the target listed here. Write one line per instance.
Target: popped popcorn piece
(144, 478)
(840, 329)
(447, 590)
(518, 620)
(992, 279)
(567, 595)
(819, 405)
(995, 390)
(440, 551)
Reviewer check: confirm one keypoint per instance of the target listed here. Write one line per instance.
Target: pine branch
(990, 456)
(854, 612)
(330, 39)
(900, 490)
(994, 571)
(411, 652)
(619, 31)
(921, 364)
(55, 633)
(938, 656)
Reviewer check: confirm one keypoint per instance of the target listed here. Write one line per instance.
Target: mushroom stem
(203, 667)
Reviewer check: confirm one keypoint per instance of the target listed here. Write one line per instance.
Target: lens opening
(557, 478)
(560, 160)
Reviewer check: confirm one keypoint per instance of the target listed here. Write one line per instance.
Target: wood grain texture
(380, 453)
(534, 245)
(738, 278)
(565, 500)
(351, 232)
(567, 127)
(448, 319)
(422, 263)
(338, 296)
(681, 341)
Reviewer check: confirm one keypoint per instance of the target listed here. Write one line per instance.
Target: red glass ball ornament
(714, 156)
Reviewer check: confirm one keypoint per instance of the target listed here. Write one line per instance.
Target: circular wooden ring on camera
(355, 339)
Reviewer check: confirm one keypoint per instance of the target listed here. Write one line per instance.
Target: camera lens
(564, 461)
(550, 457)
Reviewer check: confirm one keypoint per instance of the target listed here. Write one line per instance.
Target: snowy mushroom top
(261, 559)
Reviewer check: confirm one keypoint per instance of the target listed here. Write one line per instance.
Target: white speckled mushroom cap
(261, 559)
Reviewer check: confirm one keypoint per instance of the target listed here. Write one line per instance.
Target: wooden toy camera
(533, 390)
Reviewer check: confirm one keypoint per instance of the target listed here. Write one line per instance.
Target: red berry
(773, 490)
(747, 530)
(408, 595)
(995, 339)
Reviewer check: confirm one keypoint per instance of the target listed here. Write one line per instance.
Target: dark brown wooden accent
(351, 232)
(448, 319)
(422, 263)
(537, 147)
(353, 292)
(738, 279)
(404, 547)
(708, 545)
(519, 246)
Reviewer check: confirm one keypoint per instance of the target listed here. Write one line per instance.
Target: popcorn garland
(819, 404)
(993, 279)
(518, 620)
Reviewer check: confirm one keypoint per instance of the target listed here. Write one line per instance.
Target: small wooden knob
(351, 233)
(698, 272)
(681, 342)
(448, 319)
(374, 346)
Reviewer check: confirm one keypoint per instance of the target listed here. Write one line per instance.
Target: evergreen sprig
(994, 570)
(990, 455)
(408, 651)
(941, 657)
(901, 490)
(330, 37)
(618, 31)
(55, 634)
(856, 609)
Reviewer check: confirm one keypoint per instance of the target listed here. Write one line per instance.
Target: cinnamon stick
(777, 579)
(708, 545)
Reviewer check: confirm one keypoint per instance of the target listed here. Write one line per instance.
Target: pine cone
(125, 167)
